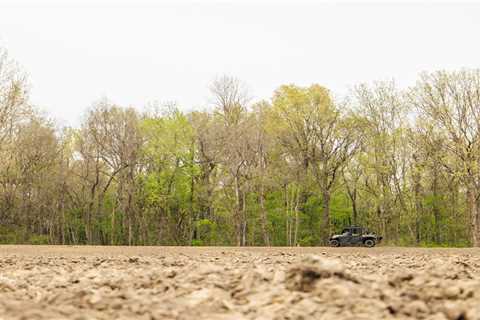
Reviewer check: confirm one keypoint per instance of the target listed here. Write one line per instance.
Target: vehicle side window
(357, 231)
(346, 231)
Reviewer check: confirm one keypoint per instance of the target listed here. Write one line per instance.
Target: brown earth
(65, 282)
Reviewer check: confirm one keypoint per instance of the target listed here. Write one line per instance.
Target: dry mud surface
(64, 282)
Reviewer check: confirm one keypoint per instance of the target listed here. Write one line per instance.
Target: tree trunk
(194, 216)
(64, 221)
(418, 204)
(263, 216)
(297, 220)
(474, 213)
(325, 216)
(130, 233)
(287, 210)
(454, 212)
(88, 225)
(237, 213)
(112, 238)
(383, 222)
(244, 220)
(352, 194)
(436, 210)
(354, 212)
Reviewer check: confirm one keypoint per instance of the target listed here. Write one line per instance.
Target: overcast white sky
(138, 52)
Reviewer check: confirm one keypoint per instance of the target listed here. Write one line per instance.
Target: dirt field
(50, 282)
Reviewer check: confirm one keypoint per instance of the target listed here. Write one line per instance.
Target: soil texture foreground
(90, 282)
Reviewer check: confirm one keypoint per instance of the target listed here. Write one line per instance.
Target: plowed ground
(59, 282)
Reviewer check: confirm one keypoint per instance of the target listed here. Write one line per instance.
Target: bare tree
(451, 100)
(384, 117)
(110, 147)
(230, 98)
(318, 135)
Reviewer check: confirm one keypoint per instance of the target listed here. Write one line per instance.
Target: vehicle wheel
(369, 243)
(334, 243)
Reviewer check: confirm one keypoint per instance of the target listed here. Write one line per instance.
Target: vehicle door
(356, 237)
(346, 237)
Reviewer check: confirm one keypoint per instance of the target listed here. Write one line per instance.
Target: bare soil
(66, 282)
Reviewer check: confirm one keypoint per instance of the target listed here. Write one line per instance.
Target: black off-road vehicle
(355, 236)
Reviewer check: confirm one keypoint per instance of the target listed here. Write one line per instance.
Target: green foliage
(10, 235)
(15, 236)
(308, 241)
(38, 239)
(206, 232)
(196, 243)
(341, 211)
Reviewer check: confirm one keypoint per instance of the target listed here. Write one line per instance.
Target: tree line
(285, 171)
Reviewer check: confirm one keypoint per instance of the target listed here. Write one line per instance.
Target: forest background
(285, 171)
